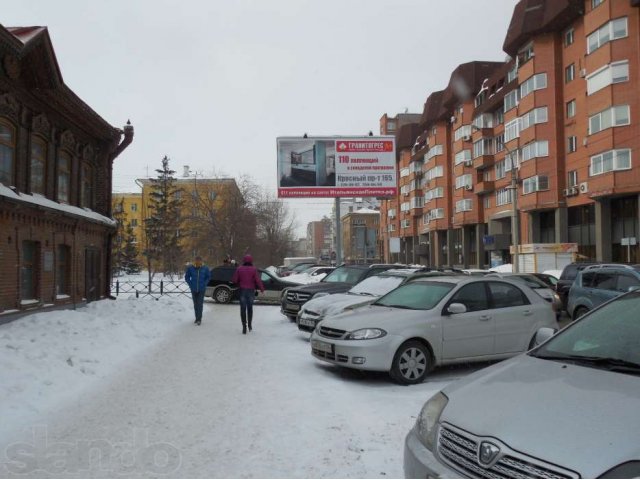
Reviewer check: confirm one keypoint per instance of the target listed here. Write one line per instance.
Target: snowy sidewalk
(210, 402)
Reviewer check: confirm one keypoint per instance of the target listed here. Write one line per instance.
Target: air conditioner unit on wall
(466, 138)
(584, 187)
(583, 72)
(468, 163)
(453, 119)
(468, 187)
(565, 192)
(573, 191)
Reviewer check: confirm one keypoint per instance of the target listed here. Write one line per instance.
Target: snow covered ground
(132, 388)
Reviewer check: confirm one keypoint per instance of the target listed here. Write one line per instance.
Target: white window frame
(404, 172)
(511, 100)
(433, 151)
(435, 172)
(572, 144)
(484, 120)
(463, 131)
(616, 116)
(607, 33)
(537, 183)
(463, 180)
(462, 156)
(511, 130)
(504, 196)
(464, 205)
(570, 108)
(601, 164)
(605, 76)
(533, 83)
(570, 73)
(533, 117)
(536, 149)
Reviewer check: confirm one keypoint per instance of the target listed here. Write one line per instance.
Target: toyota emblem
(488, 453)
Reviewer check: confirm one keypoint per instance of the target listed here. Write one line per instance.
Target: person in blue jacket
(197, 277)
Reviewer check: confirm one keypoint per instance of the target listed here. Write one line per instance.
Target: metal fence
(144, 288)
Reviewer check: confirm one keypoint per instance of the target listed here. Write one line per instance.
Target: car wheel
(291, 318)
(222, 295)
(411, 363)
(578, 312)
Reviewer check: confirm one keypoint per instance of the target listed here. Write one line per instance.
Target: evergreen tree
(117, 245)
(130, 262)
(162, 227)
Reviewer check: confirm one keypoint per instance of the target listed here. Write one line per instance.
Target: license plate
(322, 346)
(291, 306)
(307, 323)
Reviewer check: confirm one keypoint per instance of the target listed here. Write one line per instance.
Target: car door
(272, 287)
(626, 282)
(468, 334)
(514, 315)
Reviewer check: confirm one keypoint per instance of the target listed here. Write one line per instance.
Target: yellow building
(132, 207)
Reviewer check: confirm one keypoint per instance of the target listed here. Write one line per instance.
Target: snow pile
(50, 357)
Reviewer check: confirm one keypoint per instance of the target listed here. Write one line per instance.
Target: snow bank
(506, 268)
(48, 357)
(305, 278)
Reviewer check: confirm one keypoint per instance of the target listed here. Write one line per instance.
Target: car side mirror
(543, 334)
(456, 308)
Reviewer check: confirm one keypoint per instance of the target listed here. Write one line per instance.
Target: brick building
(559, 119)
(360, 230)
(56, 157)
(319, 239)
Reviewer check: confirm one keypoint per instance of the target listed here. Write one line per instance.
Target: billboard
(336, 167)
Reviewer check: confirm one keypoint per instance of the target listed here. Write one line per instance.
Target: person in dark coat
(247, 278)
(197, 277)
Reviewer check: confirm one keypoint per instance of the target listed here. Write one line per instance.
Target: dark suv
(568, 275)
(223, 290)
(339, 281)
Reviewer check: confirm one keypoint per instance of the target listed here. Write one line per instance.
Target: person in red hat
(247, 278)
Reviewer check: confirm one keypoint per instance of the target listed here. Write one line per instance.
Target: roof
(466, 80)
(38, 69)
(406, 136)
(532, 17)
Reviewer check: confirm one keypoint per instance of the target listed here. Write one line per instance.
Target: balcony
(484, 187)
(416, 211)
(483, 161)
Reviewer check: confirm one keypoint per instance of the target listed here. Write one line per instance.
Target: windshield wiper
(610, 363)
(367, 294)
(393, 306)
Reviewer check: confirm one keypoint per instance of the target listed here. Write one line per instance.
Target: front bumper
(420, 462)
(307, 323)
(377, 353)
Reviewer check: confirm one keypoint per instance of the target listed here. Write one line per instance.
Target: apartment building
(319, 239)
(554, 129)
(131, 205)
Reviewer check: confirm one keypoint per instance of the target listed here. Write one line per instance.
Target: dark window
(64, 177)
(504, 295)
(605, 281)
(86, 186)
(473, 296)
(582, 229)
(29, 270)
(588, 279)
(265, 277)
(62, 270)
(7, 152)
(626, 281)
(38, 165)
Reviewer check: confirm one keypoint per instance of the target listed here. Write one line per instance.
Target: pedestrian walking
(247, 278)
(197, 277)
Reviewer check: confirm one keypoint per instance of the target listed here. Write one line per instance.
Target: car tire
(222, 295)
(292, 318)
(411, 363)
(578, 312)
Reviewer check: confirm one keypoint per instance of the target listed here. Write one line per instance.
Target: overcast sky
(212, 83)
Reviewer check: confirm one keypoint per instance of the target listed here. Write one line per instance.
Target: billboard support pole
(338, 233)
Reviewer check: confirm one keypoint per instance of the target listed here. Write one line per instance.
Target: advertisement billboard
(336, 167)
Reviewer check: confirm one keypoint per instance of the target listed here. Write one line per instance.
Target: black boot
(244, 328)
(249, 324)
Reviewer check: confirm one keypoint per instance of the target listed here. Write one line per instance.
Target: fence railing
(144, 288)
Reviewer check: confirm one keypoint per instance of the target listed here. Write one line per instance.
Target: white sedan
(434, 321)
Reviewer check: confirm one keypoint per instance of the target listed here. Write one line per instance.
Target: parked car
(566, 409)
(222, 290)
(431, 322)
(537, 286)
(549, 280)
(569, 274)
(596, 284)
(297, 268)
(363, 293)
(310, 275)
(339, 281)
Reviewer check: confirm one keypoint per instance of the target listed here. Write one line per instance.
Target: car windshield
(344, 274)
(416, 295)
(302, 267)
(376, 285)
(606, 338)
(530, 281)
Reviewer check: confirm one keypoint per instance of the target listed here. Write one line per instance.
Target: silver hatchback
(434, 321)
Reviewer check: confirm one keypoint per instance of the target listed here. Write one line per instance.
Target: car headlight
(366, 334)
(428, 419)
(320, 294)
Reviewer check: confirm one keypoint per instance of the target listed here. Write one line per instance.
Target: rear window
(344, 274)
(222, 274)
(569, 272)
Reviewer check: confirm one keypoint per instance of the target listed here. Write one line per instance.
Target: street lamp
(515, 218)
